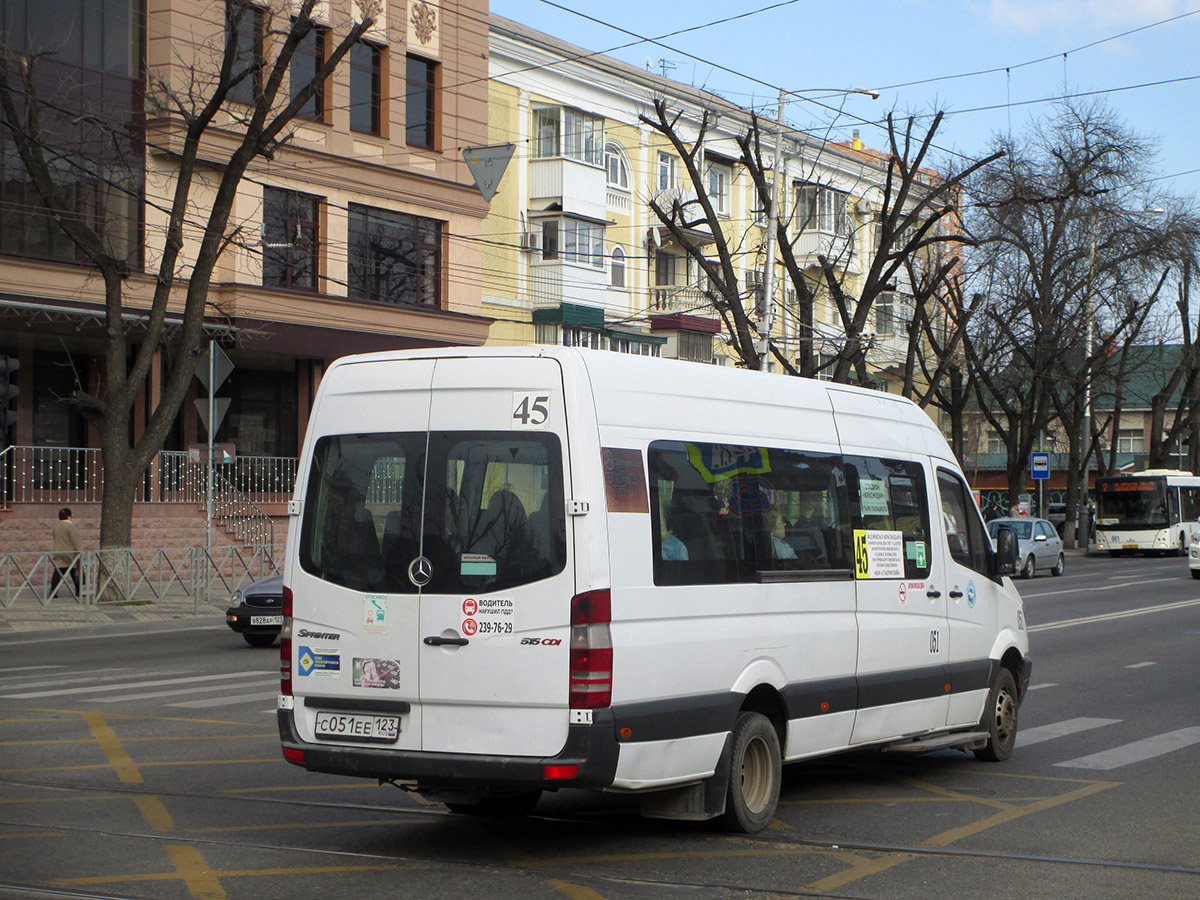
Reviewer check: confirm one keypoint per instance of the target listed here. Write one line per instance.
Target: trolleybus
(1153, 511)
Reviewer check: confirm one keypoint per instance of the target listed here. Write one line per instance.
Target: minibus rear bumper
(588, 759)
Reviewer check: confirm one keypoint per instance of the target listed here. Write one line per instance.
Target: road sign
(220, 407)
(1039, 465)
(487, 165)
(221, 367)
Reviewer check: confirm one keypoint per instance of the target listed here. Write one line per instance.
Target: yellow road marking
(126, 771)
(148, 740)
(146, 765)
(154, 812)
(576, 891)
(228, 873)
(200, 880)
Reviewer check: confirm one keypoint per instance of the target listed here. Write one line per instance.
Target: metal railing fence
(30, 474)
(175, 580)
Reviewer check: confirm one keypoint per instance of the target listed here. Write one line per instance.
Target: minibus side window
(890, 495)
(964, 530)
(725, 514)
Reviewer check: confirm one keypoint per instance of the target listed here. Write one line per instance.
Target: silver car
(1039, 546)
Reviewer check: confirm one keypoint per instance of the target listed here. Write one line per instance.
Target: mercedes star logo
(420, 570)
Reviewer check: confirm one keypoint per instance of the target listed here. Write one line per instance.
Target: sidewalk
(67, 613)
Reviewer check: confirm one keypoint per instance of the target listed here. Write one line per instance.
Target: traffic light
(8, 391)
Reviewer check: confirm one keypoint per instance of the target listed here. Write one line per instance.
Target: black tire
(1028, 569)
(510, 806)
(1000, 719)
(1059, 566)
(1196, 573)
(755, 774)
(259, 639)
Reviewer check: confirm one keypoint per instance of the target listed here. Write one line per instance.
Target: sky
(992, 65)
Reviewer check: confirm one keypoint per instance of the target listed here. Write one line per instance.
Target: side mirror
(1005, 560)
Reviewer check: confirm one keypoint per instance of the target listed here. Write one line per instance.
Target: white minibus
(526, 569)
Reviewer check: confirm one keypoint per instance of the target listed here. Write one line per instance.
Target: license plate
(266, 620)
(1129, 546)
(357, 727)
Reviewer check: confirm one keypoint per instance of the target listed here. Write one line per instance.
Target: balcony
(579, 188)
(839, 249)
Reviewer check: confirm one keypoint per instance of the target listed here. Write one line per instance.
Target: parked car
(1194, 554)
(256, 611)
(1039, 546)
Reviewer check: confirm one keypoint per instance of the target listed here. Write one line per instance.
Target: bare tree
(210, 141)
(1064, 254)
(916, 208)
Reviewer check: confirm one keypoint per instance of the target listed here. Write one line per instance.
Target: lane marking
(199, 878)
(1141, 665)
(229, 701)
(94, 677)
(1138, 751)
(126, 771)
(99, 689)
(1106, 587)
(1042, 687)
(175, 692)
(1031, 736)
(1108, 617)
(575, 891)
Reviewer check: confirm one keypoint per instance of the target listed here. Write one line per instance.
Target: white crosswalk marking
(227, 701)
(175, 692)
(83, 677)
(1030, 736)
(1138, 751)
(101, 688)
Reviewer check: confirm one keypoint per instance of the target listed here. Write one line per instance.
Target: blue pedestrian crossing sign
(1039, 465)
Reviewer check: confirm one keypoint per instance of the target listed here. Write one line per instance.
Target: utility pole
(768, 279)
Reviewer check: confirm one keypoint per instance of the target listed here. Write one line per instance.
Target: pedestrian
(67, 547)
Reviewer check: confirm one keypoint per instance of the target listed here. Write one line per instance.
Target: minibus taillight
(285, 645)
(591, 650)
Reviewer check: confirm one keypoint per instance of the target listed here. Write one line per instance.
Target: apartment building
(354, 235)
(574, 255)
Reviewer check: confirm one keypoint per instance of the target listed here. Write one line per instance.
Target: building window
(666, 269)
(696, 346)
(244, 26)
(757, 292)
(618, 168)
(760, 212)
(366, 66)
(719, 177)
(88, 79)
(309, 57)
(394, 257)
(289, 239)
(668, 171)
(885, 314)
(583, 242)
(573, 240)
(822, 209)
(617, 269)
(562, 131)
(420, 108)
(1131, 440)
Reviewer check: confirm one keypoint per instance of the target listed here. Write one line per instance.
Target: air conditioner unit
(531, 240)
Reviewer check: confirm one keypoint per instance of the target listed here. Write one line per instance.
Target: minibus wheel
(1000, 718)
(755, 773)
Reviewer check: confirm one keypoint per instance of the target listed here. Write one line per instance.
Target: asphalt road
(146, 764)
